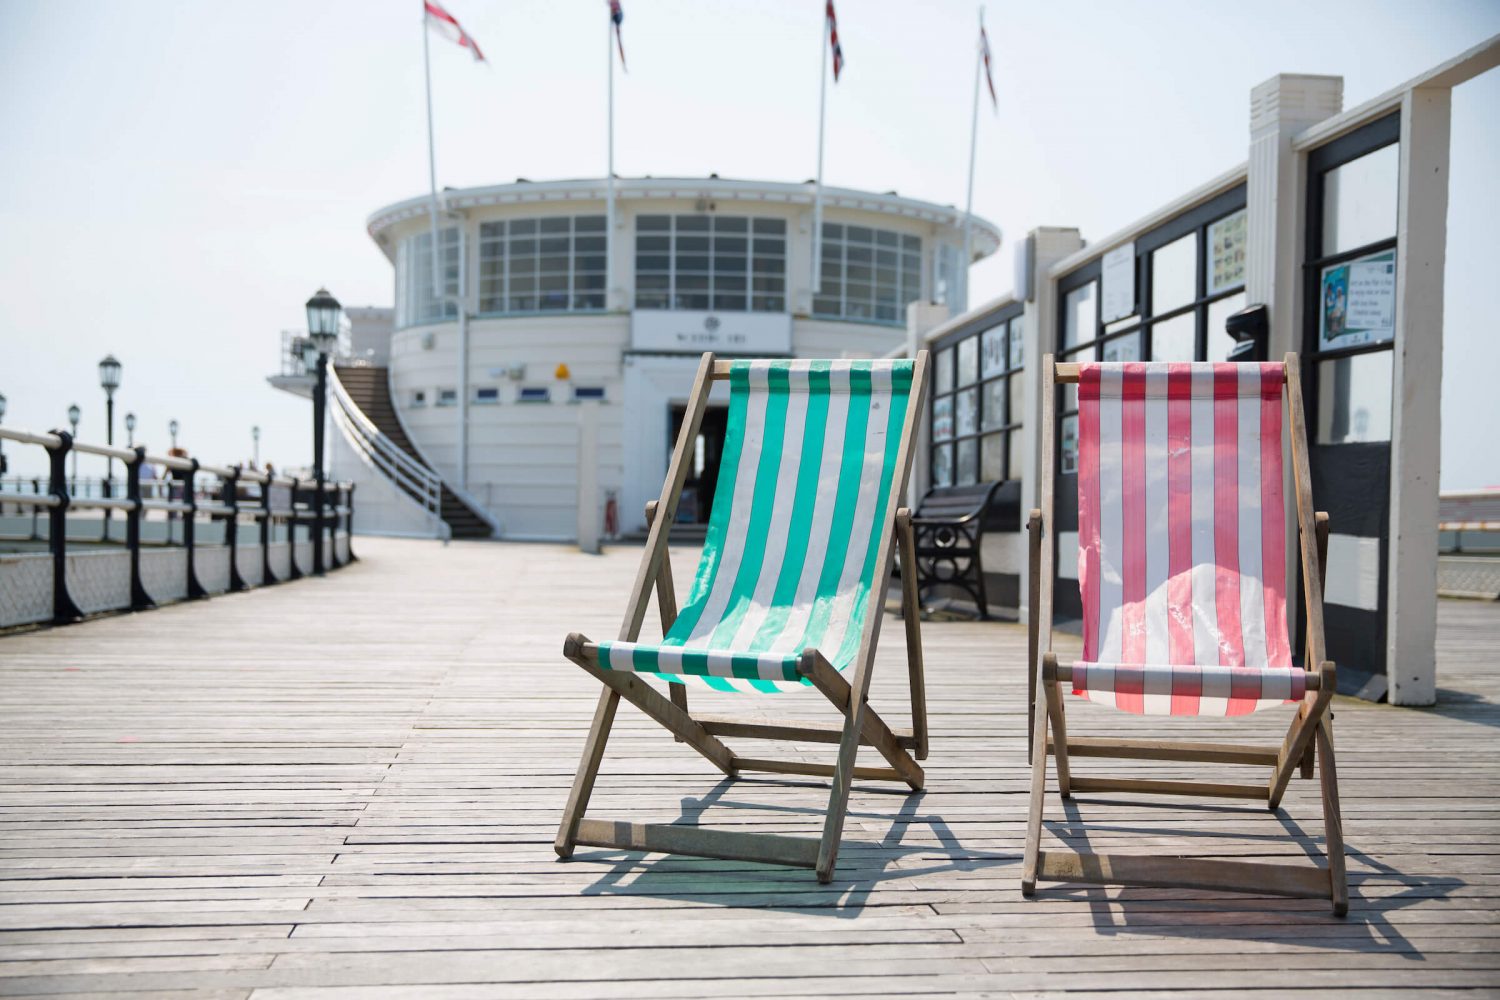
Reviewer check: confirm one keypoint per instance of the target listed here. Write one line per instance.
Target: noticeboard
(1357, 302)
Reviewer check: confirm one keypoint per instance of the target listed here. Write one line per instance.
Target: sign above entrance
(692, 332)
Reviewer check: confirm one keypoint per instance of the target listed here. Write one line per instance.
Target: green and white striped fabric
(791, 550)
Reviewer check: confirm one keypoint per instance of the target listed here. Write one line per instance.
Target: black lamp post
(323, 330)
(74, 413)
(109, 381)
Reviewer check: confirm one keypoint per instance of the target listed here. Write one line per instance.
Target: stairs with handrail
(368, 388)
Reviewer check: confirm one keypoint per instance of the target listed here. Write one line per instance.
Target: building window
(419, 398)
(978, 401)
(487, 395)
(868, 274)
(553, 264)
(534, 394)
(588, 392)
(725, 263)
(1189, 277)
(447, 397)
(415, 301)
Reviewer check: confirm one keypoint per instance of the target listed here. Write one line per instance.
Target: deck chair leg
(1038, 782)
(1333, 824)
(838, 797)
(1033, 623)
(1055, 716)
(1299, 737)
(588, 769)
(911, 614)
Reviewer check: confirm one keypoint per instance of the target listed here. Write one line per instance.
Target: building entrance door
(703, 462)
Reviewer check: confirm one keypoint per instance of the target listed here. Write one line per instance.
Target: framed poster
(1357, 302)
(1226, 253)
(1117, 299)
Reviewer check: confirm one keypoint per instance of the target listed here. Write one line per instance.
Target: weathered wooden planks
(348, 787)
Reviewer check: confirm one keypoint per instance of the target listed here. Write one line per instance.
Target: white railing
(381, 453)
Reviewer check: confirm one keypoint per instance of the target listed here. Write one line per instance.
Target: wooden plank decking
(348, 787)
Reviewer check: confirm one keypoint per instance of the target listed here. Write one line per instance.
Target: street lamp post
(2, 443)
(130, 430)
(255, 437)
(73, 414)
(323, 330)
(109, 381)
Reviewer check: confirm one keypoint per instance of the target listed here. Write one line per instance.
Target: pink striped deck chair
(1182, 569)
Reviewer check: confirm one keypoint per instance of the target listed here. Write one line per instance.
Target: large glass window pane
(1069, 437)
(992, 361)
(1080, 316)
(966, 412)
(943, 372)
(1174, 274)
(1013, 468)
(1359, 200)
(942, 465)
(991, 458)
(968, 360)
(1017, 344)
(1219, 342)
(993, 413)
(1017, 398)
(1175, 339)
(1354, 399)
(942, 418)
(1126, 348)
(967, 472)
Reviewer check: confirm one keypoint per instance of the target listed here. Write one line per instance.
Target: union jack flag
(984, 51)
(617, 15)
(833, 42)
(447, 25)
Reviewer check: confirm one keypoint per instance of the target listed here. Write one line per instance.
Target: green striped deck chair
(788, 596)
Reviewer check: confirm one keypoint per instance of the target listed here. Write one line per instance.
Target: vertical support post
(189, 497)
(349, 520)
(817, 233)
(266, 576)
(63, 608)
(1421, 242)
(139, 599)
(230, 494)
(588, 476)
(291, 535)
(109, 460)
(320, 400)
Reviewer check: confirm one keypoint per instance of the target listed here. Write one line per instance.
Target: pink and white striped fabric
(1182, 539)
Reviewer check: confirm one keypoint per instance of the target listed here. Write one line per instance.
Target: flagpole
(609, 180)
(817, 240)
(973, 148)
(431, 156)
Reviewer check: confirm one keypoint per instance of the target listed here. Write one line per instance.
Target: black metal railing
(188, 500)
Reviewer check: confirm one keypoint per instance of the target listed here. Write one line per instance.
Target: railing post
(229, 493)
(266, 576)
(291, 536)
(139, 599)
(349, 521)
(63, 608)
(189, 496)
(331, 521)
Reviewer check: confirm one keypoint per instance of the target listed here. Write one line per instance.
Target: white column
(588, 476)
(1039, 331)
(1276, 220)
(1417, 380)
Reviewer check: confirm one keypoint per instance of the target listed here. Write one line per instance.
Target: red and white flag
(447, 25)
(984, 52)
(833, 42)
(617, 16)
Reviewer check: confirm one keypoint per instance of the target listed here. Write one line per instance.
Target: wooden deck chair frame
(1308, 742)
(860, 726)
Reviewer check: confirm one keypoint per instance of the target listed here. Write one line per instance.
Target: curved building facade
(549, 349)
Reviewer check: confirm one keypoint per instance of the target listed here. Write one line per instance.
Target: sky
(178, 177)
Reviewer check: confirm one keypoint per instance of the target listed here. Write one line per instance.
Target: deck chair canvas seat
(788, 594)
(1182, 569)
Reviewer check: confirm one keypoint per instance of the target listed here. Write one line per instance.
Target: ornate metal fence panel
(99, 581)
(212, 565)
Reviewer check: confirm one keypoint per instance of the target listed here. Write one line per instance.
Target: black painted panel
(1352, 482)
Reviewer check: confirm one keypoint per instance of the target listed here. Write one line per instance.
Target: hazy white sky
(178, 177)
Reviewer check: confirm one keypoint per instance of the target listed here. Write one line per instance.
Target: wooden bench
(949, 525)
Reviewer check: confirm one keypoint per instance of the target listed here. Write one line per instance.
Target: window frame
(836, 244)
(753, 299)
(501, 303)
(1010, 316)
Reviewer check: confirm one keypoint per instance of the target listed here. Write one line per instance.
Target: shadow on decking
(863, 864)
(1240, 917)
